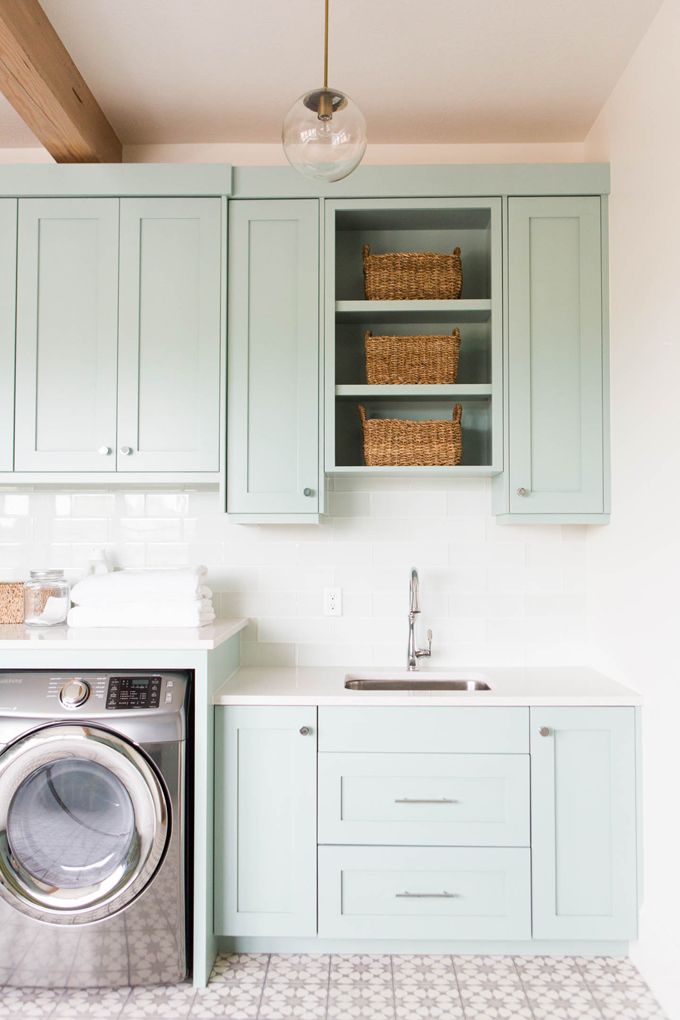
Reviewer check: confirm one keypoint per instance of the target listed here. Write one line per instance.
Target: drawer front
(424, 893)
(426, 799)
(425, 730)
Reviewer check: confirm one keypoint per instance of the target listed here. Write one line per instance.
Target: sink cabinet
(453, 825)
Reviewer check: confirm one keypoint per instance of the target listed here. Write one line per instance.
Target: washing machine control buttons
(74, 693)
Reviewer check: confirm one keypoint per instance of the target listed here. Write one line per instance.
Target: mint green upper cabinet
(265, 821)
(66, 340)
(273, 373)
(8, 248)
(556, 427)
(583, 819)
(169, 334)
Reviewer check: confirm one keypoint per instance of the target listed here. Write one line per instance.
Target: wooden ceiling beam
(40, 80)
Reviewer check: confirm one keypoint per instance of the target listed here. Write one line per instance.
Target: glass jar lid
(47, 575)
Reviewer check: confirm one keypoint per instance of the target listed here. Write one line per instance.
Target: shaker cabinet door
(583, 823)
(8, 249)
(555, 357)
(265, 821)
(169, 334)
(66, 339)
(273, 340)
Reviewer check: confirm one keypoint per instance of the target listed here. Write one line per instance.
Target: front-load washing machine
(92, 828)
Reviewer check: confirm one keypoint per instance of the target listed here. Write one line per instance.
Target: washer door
(84, 822)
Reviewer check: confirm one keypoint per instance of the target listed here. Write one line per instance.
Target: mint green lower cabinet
(556, 457)
(583, 809)
(170, 329)
(273, 359)
(425, 799)
(265, 821)
(8, 250)
(388, 892)
(66, 339)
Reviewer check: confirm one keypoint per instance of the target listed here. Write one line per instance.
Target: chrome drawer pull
(416, 800)
(426, 895)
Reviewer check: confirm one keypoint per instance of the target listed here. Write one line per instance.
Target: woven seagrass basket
(394, 360)
(412, 275)
(395, 442)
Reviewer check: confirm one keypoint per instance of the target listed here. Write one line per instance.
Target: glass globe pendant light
(324, 132)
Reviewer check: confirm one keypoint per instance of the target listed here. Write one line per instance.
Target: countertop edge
(17, 638)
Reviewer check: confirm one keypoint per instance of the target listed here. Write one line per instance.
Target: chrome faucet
(415, 653)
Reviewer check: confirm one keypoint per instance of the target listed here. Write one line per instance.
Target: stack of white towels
(171, 597)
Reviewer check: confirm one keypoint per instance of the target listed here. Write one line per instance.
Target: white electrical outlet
(332, 602)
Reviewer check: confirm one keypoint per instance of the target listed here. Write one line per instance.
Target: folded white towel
(122, 586)
(138, 614)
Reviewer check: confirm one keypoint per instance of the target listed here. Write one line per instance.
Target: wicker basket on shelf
(412, 275)
(394, 360)
(395, 442)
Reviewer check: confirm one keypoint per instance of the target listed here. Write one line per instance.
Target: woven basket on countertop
(11, 602)
(394, 360)
(403, 442)
(412, 275)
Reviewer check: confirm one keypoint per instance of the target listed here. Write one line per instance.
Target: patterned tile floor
(252, 986)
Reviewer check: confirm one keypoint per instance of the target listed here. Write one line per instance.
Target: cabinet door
(273, 402)
(583, 809)
(8, 249)
(555, 356)
(265, 821)
(169, 343)
(67, 320)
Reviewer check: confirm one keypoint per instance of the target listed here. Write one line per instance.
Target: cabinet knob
(522, 491)
(104, 451)
(308, 492)
(126, 450)
(545, 731)
(305, 731)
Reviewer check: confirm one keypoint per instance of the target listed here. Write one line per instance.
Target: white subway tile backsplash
(493, 594)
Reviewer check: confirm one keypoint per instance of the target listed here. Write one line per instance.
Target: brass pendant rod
(325, 51)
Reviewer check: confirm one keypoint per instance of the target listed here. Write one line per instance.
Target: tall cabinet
(273, 369)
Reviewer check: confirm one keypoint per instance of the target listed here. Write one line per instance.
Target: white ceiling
(446, 71)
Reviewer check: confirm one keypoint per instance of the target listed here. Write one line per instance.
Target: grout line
(596, 1001)
(264, 982)
(328, 986)
(460, 994)
(394, 996)
(521, 984)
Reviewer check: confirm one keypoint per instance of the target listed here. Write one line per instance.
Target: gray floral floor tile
(407, 967)
(301, 967)
(28, 1002)
(283, 998)
(91, 1002)
(361, 1002)
(238, 1000)
(360, 969)
(240, 963)
(163, 1001)
(438, 998)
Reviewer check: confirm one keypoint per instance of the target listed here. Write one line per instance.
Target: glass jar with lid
(46, 598)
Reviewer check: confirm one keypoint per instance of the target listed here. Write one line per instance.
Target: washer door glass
(84, 823)
(71, 824)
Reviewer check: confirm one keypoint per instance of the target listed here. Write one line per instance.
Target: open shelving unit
(414, 225)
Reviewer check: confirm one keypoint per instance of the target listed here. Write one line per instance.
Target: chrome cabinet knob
(305, 731)
(104, 451)
(545, 731)
(522, 491)
(308, 492)
(126, 450)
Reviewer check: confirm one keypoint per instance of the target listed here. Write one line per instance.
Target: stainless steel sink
(421, 682)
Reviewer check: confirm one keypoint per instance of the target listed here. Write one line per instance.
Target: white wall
(492, 594)
(634, 564)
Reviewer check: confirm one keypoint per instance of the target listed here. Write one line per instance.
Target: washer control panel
(143, 691)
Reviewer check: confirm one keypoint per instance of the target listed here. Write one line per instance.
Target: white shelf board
(414, 311)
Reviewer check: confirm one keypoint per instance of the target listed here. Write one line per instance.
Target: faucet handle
(429, 641)
(420, 652)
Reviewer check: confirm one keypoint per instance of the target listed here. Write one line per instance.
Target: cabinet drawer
(426, 799)
(424, 893)
(425, 730)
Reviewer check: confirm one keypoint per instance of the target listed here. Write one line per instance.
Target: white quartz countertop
(535, 685)
(17, 637)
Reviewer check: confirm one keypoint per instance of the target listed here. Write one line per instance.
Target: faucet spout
(413, 652)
